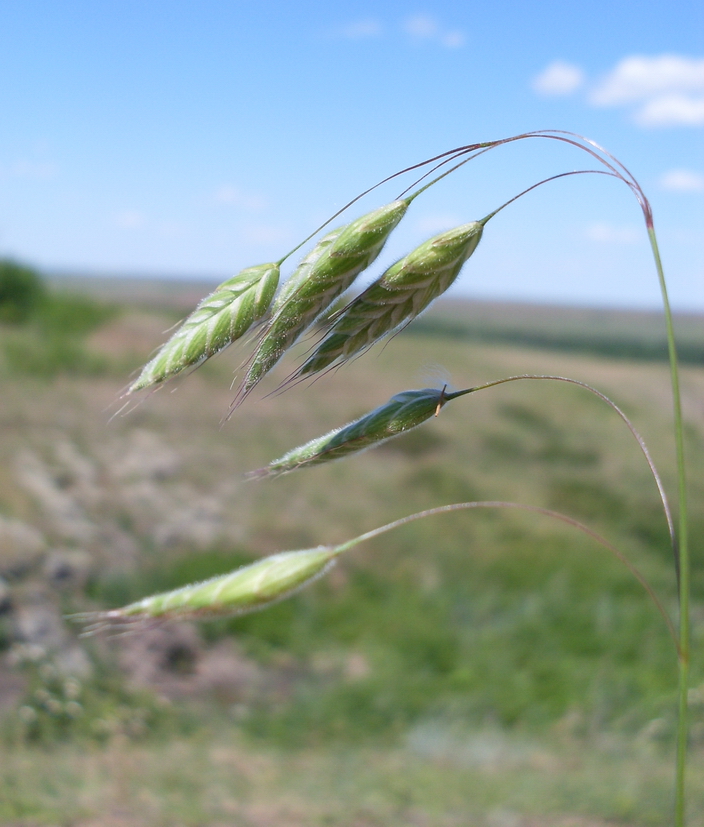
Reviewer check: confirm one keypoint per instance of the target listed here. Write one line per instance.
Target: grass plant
(402, 292)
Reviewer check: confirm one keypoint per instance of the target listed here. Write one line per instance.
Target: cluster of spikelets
(397, 297)
(402, 292)
(249, 299)
(278, 576)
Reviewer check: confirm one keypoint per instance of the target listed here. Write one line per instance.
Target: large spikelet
(244, 590)
(402, 412)
(302, 272)
(397, 297)
(220, 319)
(332, 271)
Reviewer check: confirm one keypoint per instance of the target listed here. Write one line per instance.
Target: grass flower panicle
(402, 292)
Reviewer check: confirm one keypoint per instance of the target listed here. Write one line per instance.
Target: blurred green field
(487, 668)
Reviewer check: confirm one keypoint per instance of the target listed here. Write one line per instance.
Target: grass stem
(683, 545)
(556, 515)
(639, 439)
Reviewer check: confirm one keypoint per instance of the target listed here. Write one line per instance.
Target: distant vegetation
(21, 292)
(467, 624)
(635, 344)
(42, 331)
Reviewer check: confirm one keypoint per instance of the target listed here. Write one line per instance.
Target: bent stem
(556, 515)
(631, 427)
(682, 545)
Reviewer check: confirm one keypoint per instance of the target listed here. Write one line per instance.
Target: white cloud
(360, 29)
(682, 180)
(230, 196)
(421, 26)
(130, 219)
(33, 170)
(671, 110)
(638, 78)
(424, 27)
(666, 90)
(453, 39)
(604, 233)
(559, 78)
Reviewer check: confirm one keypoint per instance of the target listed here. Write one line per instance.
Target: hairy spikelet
(331, 273)
(244, 590)
(397, 297)
(220, 319)
(302, 272)
(402, 412)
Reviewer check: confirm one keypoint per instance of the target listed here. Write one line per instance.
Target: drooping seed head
(397, 297)
(402, 412)
(244, 590)
(220, 319)
(330, 274)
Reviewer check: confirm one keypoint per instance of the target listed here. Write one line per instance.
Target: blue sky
(197, 138)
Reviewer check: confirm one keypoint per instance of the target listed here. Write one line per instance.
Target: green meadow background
(489, 668)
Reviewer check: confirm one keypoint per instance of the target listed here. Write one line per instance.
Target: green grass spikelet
(333, 271)
(219, 320)
(402, 412)
(398, 296)
(302, 272)
(244, 590)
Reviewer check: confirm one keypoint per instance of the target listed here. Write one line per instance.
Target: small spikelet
(220, 319)
(402, 412)
(244, 590)
(331, 273)
(397, 297)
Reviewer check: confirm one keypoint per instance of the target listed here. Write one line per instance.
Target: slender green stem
(546, 181)
(684, 563)
(631, 427)
(446, 157)
(556, 515)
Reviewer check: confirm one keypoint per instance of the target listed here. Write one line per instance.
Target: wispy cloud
(419, 28)
(558, 79)
(611, 234)
(230, 196)
(130, 219)
(666, 90)
(32, 170)
(361, 29)
(682, 180)
(424, 27)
